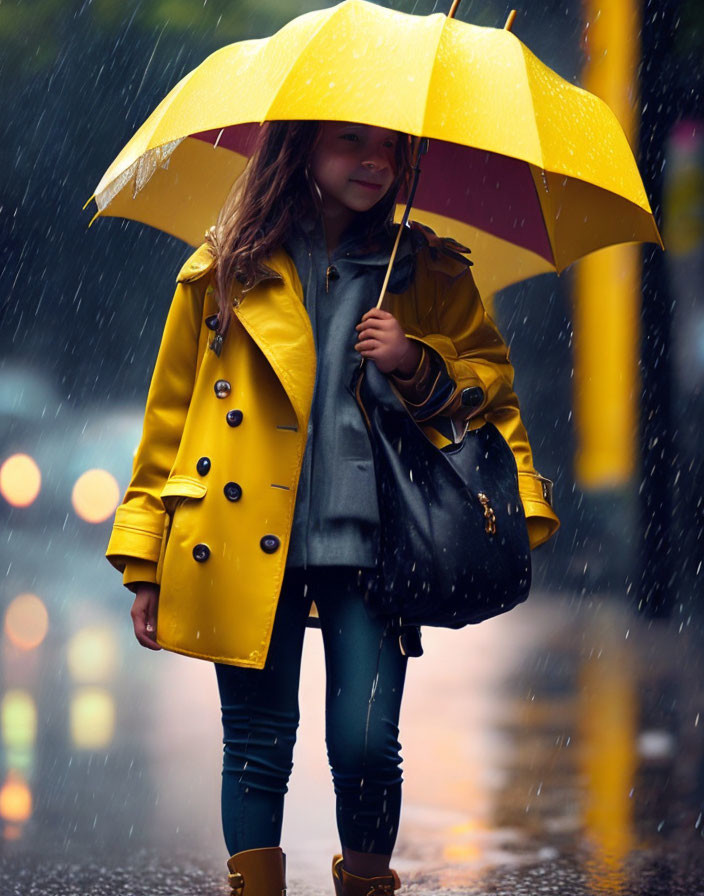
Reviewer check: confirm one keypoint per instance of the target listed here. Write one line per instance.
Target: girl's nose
(375, 161)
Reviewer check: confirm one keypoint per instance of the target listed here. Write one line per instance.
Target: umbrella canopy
(527, 169)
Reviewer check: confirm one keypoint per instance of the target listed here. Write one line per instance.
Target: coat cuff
(136, 535)
(138, 571)
(536, 496)
(428, 388)
(446, 396)
(417, 386)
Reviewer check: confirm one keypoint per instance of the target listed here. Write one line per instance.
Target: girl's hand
(382, 339)
(143, 614)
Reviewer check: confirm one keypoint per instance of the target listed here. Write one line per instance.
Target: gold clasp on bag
(489, 515)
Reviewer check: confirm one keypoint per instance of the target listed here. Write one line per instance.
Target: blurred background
(105, 744)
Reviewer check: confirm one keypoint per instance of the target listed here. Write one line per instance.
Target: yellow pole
(607, 283)
(607, 717)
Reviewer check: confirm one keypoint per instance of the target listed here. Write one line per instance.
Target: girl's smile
(367, 185)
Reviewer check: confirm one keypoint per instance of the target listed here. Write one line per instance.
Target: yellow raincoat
(208, 511)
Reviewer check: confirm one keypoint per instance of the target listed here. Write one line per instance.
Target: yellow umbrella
(529, 170)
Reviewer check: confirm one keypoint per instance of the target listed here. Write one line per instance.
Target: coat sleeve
(135, 543)
(455, 327)
(427, 388)
(474, 355)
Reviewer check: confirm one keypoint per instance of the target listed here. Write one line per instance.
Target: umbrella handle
(420, 150)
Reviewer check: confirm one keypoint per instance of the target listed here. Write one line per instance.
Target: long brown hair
(274, 190)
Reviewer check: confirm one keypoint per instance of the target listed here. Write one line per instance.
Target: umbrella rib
(445, 24)
(522, 50)
(441, 31)
(283, 81)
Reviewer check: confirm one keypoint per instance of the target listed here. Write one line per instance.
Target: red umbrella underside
(457, 182)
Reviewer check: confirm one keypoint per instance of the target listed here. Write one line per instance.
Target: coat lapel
(275, 317)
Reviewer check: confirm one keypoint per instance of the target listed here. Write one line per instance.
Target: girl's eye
(351, 137)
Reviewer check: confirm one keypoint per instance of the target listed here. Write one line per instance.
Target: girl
(253, 500)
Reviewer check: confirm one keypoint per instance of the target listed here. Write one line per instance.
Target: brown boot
(347, 884)
(258, 872)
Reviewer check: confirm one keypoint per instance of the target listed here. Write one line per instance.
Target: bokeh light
(15, 798)
(92, 718)
(20, 480)
(92, 655)
(26, 621)
(19, 719)
(95, 495)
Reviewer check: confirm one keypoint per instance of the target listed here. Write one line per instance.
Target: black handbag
(453, 543)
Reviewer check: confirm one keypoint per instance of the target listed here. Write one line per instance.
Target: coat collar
(203, 261)
(355, 250)
(276, 318)
(443, 255)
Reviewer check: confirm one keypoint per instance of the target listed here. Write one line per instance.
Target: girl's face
(354, 165)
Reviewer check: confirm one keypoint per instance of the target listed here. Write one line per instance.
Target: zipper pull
(331, 274)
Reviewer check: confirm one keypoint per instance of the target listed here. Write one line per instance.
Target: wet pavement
(555, 750)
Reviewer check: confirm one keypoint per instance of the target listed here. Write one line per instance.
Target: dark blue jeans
(365, 672)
